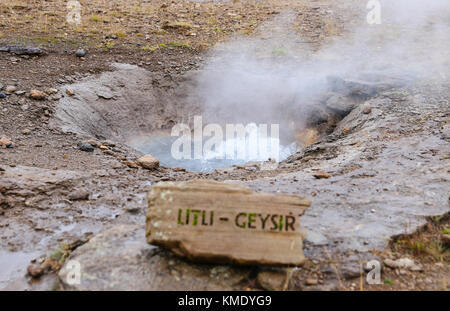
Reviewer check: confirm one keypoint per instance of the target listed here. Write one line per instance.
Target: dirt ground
(44, 175)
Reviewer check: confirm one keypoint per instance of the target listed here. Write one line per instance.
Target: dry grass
(135, 23)
(426, 243)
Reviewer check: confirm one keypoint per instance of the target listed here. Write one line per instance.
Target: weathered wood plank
(221, 222)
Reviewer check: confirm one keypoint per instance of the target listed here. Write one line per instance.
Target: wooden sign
(219, 222)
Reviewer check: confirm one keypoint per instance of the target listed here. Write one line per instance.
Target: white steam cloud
(277, 76)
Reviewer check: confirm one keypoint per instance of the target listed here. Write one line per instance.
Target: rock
(446, 239)
(404, 263)
(10, 89)
(275, 280)
(366, 109)
(38, 95)
(50, 91)
(189, 218)
(120, 259)
(345, 130)
(70, 92)
(148, 161)
(340, 103)
(85, 146)
(311, 281)
(21, 50)
(26, 131)
(109, 143)
(105, 94)
(102, 147)
(130, 164)
(80, 53)
(35, 271)
(79, 195)
(6, 142)
(315, 238)
(2, 95)
(93, 142)
(351, 269)
(322, 175)
(362, 87)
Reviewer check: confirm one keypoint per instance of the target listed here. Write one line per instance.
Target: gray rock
(85, 146)
(80, 53)
(21, 50)
(120, 259)
(340, 103)
(316, 238)
(2, 95)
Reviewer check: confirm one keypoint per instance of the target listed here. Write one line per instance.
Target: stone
(85, 146)
(26, 131)
(189, 218)
(340, 103)
(38, 95)
(80, 53)
(345, 130)
(70, 92)
(51, 91)
(2, 95)
(311, 281)
(402, 263)
(120, 259)
(148, 161)
(322, 175)
(316, 238)
(79, 195)
(367, 109)
(10, 89)
(105, 94)
(130, 164)
(274, 280)
(22, 50)
(6, 142)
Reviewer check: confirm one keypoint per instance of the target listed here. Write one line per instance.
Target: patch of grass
(178, 44)
(388, 281)
(95, 18)
(121, 34)
(61, 253)
(150, 48)
(445, 231)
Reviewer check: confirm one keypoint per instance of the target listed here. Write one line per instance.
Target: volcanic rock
(36, 94)
(10, 89)
(189, 218)
(273, 279)
(148, 161)
(120, 259)
(80, 53)
(321, 175)
(6, 142)
(85, 146)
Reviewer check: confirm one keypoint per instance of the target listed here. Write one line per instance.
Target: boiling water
(161, 148)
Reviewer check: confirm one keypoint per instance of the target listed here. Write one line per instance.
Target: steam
(277, 76)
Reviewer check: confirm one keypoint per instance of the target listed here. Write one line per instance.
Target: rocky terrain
(376, 165)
